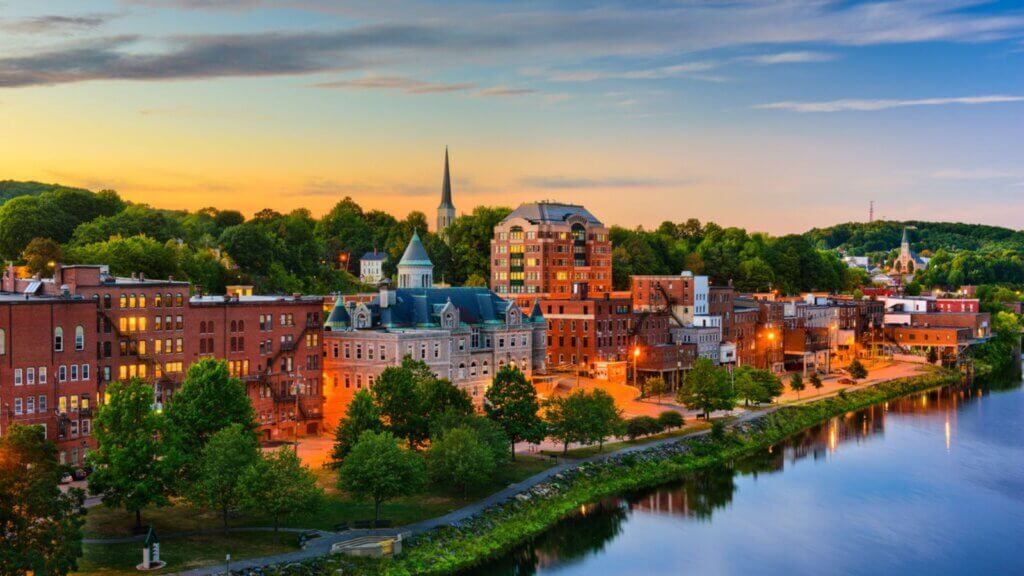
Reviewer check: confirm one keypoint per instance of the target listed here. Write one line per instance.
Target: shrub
(718, 430)
(642, 426)
(670, 419)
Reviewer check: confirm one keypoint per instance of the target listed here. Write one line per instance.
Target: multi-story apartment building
(272, 343)
(707, 339)
(48, 368)
(153, 330)
(551, 248)
(721, 302)
(687, 295)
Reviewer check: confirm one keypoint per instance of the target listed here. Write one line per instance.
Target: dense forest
(297, 252)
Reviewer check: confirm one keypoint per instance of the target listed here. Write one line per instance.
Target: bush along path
(486, 529)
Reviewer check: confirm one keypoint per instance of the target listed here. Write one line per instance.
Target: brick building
(48, 369)
(687, 295)
(152, 329)
(551, 248)
(272, 343)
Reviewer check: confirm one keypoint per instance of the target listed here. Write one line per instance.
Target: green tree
(460, 458)
(360, 415)
(136, 462)
(41, 255)
(706, 388)
(655, 386)
(488, 431)
(131, 254)
(40, 526)
(816, 382)
(397, 398)
(796, 383)
(279, 484)
(565, 418)
(511, 401)
(602, 418)
(470, 238)
(209, 400)
(671, 419)
(378, 469)
(220, 467)
(857, 370)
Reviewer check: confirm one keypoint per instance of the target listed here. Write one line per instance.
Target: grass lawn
(588, 451)
(183, 553)
(336, 508)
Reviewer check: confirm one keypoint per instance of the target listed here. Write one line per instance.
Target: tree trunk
(513, 450)
(138, 518)
(565, 448)
(225, 513)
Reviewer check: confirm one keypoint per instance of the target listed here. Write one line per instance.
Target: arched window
(79, 338)
(157, 300)
(202, 327)
(167, 300)
(462, 370)
(234, 326)
(178, 299)
(486, 368)
(142, 300)
(131, 300)
(123, 303)
(472, 369)
(106, 301)
(58, 339)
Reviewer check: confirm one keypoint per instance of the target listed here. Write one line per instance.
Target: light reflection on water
(928, 484)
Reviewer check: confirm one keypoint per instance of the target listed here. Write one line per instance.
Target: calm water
(930, 484)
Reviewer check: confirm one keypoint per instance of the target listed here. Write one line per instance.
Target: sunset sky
(776, 116)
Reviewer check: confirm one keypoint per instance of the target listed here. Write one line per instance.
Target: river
(929, 484)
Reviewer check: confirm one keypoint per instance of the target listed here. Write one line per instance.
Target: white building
(371, 267)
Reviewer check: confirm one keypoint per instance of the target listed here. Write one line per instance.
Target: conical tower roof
(415, 253)
(446, 186)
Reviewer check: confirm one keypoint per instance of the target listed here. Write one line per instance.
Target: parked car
(80, 473)
(66, 478)
(847, 381)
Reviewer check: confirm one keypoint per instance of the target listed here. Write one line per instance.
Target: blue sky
(777, 116)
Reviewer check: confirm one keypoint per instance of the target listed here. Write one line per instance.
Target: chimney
(142, 275)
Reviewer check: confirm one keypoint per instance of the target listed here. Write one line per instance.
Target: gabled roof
(415, 253)
(374, 256)
(539, 212)
(419, 307)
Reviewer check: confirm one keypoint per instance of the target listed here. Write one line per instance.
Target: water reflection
(697, 498)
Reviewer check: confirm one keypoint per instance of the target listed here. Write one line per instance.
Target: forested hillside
(297, 252)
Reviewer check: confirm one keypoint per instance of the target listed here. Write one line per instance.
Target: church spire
(446, 211)
(446, 186)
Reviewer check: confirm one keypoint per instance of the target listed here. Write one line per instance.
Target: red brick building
(956, 304)
(551, 248)
(273, 343)
(48, 369)
(721, 303)
(152, 330)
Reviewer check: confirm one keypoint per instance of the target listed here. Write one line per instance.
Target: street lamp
(636, 358)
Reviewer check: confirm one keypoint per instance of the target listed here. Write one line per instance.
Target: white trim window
(85, 372)
(58, 339)
(30, 376)
(18, 377)
(62, 373)
(74, 372)
(42, 374)
(18, 410)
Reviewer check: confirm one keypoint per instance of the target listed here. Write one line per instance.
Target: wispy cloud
(692, 69)
(854, 105)
(501, 91)
(798, 57)
(568, 183)
(401, 83)
(52, 23)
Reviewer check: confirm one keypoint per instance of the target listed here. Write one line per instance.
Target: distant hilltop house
(371, 267)
(909, 262)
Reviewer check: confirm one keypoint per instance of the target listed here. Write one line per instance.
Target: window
(3, 342)
(58, 339)
(18, 410)
(62, 373)
(42, 404)
(142, 300)
(178, 345)
(42, 374)
(106, 301)
(74, 372)
(30, 376)
(79, 338)
(178, 300)
(85, 371)
(18, 377)
(123, 301)
(74, 403)
(85, 427)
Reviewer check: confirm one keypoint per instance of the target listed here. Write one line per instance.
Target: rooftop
(540, 212)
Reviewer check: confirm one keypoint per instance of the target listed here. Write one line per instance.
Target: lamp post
(636, 359)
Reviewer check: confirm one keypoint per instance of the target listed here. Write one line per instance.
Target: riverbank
(499, 528)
